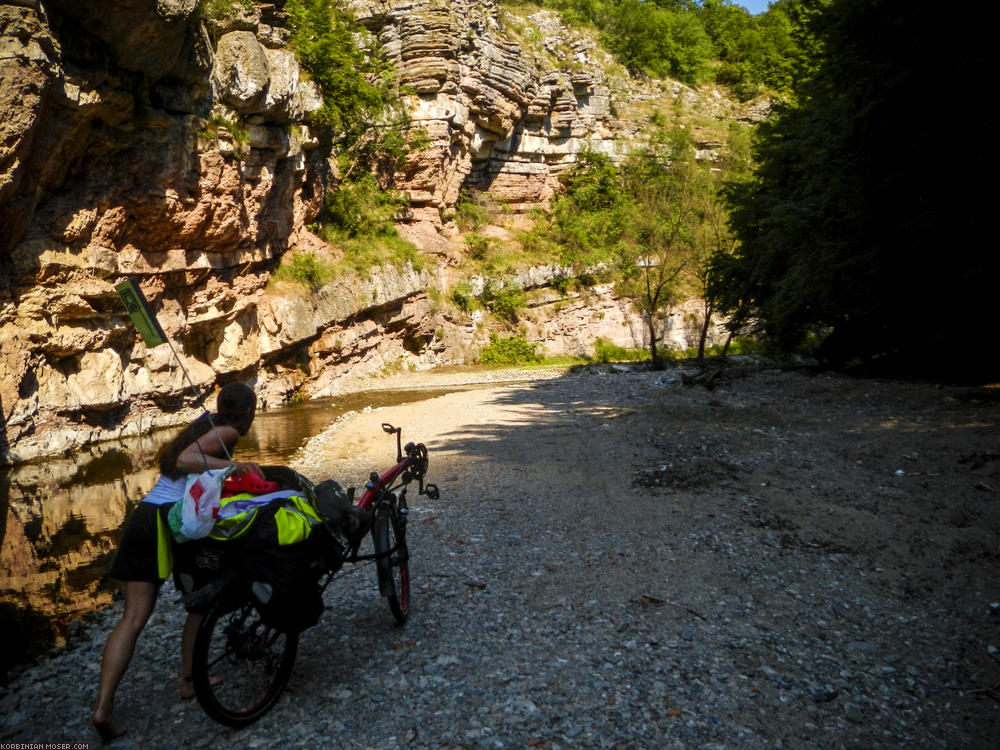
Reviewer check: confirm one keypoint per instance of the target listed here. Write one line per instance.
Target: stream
(60, 519)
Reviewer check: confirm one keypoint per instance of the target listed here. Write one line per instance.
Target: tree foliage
(696, 41)
(649, 222)
(364, 114)
(361, 208)
(755, 52)
(858, 228)
(362, 100)
(509, 350)
(342, 57)
(650, 39)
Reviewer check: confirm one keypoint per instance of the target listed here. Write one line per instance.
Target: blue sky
(754, 6)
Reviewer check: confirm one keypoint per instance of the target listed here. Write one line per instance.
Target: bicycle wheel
(393, 569)
(240, 665)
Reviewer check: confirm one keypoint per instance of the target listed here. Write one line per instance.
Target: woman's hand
(212, 451)
(245, 467)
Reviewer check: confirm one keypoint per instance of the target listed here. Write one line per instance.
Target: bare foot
(187, 686)
(107, 730)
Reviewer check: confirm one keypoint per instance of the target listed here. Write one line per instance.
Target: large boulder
(241, 71)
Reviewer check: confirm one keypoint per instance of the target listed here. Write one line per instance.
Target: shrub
(304, 268)
(223, 9)
(237, 130)
(504, 301)
(470, 213)
(478, 245)
(359, 218)
(362, 209)
(463, 297)
(511, 350)
(605, 351)
(561, 283)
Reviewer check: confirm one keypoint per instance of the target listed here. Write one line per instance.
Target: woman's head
(235, 406)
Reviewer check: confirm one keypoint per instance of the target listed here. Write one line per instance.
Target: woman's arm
(209, 452)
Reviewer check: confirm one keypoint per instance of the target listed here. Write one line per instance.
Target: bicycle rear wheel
(393, 568)
(240, 665)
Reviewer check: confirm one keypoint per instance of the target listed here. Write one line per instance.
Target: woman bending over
(145, 554)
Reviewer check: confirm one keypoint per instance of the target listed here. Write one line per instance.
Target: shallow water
(60, 520)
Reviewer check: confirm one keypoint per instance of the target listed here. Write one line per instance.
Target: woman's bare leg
(187, 653)
(140, 598)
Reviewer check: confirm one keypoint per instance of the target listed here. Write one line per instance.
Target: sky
(754, 6)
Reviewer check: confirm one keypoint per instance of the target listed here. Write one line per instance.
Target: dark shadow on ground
(538, 435)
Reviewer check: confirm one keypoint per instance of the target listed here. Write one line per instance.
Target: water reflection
(60, 520)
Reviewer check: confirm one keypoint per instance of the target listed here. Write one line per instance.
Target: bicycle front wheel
(240, 664)
(392, 564)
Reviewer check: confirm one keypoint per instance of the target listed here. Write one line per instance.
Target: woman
(145, 554)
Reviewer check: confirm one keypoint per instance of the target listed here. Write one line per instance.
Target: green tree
(362, 103)
(588, 218)
(715, 241)
(364, 116)
(664, 223)
(756, 53)
(857, 221)
(649, 39)
(644, 221)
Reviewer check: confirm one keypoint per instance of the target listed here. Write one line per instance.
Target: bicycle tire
(393, 569)
(240, 665)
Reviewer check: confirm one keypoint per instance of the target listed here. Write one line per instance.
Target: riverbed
(61, 519)
(617, 560)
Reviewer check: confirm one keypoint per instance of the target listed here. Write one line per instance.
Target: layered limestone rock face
(141, 138)
(172, 141)
(499, 117)
(508, 102)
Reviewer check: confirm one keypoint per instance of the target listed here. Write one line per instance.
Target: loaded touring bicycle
(262, 572)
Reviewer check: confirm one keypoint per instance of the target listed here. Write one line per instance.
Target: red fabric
(251, 482)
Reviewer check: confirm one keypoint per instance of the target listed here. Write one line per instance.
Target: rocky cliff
(171, 140)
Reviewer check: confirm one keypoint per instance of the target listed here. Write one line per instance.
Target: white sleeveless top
(166, 491)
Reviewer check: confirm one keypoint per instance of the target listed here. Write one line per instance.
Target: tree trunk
(656, 361)
(703, 335)
(729, 340)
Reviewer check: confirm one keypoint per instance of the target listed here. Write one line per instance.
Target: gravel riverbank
(620, 561)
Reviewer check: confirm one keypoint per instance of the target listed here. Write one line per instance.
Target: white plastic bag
(194, 516)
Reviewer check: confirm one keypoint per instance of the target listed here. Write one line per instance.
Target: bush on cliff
(510, 350)
(367, 120)
(304, 268)
(357, 83)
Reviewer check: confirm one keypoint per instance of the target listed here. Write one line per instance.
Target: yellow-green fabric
(294, 520)
(164, 547)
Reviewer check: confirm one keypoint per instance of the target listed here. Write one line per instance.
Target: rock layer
(148, 138)
(119, 157)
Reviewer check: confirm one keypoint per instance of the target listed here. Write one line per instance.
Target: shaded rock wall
(119, 156)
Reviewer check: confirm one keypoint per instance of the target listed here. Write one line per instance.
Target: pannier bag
(283, 560)
(277, 553)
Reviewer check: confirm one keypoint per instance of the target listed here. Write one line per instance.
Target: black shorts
(145, 552)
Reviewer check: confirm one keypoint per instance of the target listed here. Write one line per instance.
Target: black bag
(283, 579)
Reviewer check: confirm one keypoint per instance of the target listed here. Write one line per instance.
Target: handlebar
(414, 464)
